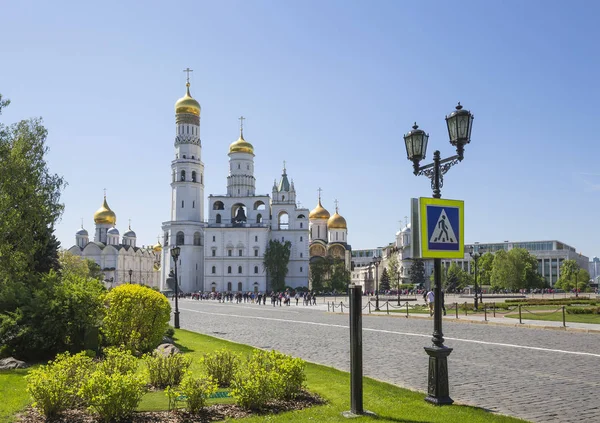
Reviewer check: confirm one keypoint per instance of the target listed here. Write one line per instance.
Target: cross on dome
(242, 119)
(188, 70)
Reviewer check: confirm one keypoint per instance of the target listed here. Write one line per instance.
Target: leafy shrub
(197, 390)
(170, 332)
(168, 370)
(117, 360)
(554, 301)
(113, 396)
(583, 310)
(267, 375)
(221, 366)
(137, 317)
(54, 387)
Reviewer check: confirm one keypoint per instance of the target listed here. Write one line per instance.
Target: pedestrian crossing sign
(442, 228)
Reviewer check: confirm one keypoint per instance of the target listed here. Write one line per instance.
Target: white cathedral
(225, 252)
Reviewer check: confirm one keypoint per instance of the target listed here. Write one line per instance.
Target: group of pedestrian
(277, 298)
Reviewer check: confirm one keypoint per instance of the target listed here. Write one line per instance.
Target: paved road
(538, 375)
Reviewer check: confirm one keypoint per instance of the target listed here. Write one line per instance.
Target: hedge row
(556, 301)
(583, 310)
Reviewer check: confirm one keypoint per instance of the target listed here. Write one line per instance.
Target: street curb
(483, 322)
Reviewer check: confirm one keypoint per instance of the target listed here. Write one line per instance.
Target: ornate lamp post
(175, 254)
(130, 273)
(376, 261)
(476, 255)
(459, 124)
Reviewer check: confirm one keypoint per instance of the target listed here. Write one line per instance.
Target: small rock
(167, 340)
(12, 363)
(167, 349)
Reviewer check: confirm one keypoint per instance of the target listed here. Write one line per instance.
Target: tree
(394, 271)
(384, 283)
(514, 270)
(572, 277)
(340, 277)
(79, 266)
(276, 259)
(417, 272)
(317, 274)
(485, 265)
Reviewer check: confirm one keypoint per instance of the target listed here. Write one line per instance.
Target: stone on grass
(167, 349)
(12, 363)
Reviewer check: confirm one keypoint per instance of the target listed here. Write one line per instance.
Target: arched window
(214, 269)
(213, 286)
(239, 269)
(183, 175)
(184, 156)
(259, 218)
(240, 286)
(228, 269)
(255, 269)
(229, 286)
(300, 225)
(218, 205)
(193, 176)
(197, 239)
(284, 221)
(179, 240)
(218, 219)
(166, 238)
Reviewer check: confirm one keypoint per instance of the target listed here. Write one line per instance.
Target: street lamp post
(459, 124)
(476, 255)
(376, 261)
(175, 254)
(398, 288)
(130, 273)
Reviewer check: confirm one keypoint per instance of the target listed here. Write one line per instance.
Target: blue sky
(328, 86)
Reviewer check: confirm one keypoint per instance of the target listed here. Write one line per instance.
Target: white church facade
(225, 251)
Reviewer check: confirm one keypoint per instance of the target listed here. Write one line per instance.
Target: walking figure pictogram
(444, 230)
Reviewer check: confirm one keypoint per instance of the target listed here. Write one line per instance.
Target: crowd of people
(258, 298)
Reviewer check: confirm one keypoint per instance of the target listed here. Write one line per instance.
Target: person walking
(430, 301)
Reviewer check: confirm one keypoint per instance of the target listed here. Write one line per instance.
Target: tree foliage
(393, 268)
(456, 278)
(384, 282)
(340, 276)
(276, 259)
(572, 277)
(417, 272)
(514, 270)
(485, 265)
(329, 274)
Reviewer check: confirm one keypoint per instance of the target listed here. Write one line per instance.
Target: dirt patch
(214, 413)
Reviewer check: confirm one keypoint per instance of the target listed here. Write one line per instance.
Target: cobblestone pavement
(537, 375)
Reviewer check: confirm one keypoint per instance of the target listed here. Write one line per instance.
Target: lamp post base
(176, 320)
(438, 390)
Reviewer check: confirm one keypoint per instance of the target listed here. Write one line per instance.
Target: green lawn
(389, 402)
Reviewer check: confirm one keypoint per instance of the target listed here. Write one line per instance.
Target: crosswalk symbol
(443, 232)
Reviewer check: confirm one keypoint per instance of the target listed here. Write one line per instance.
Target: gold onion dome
(241, 146)
(336, 222)
(319, 212)
(157, 247)
(105, 215)
(187, 104)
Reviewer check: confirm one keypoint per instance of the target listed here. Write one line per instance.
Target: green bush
(221, 366)
(197, 390)
(583, 310)
(54, 387)
(170, 332)
(554, 301)
(137, 317)
(168, 370)
(117, 360)
(113, 396)
(266, 376)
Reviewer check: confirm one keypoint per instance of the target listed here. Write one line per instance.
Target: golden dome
(187, 104)
(105, 215)
(157, 247)
(241, 146)
(319, 212)
(336, 222)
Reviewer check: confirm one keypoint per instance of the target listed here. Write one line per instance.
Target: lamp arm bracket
(444, 166)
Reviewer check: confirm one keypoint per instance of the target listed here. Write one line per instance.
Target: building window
(193, 204)
(182, 203)
(228, 269)
(256, 239)
(256, 253)
(240, 253)
(179, 240)
(214, 238)
(300, 255)
(218, 219)
(229, 253)
(183, 175)
(197, 239)
(300, 269)
(229, 286)
(255, 269)
(300, 239)
(214, 269)
(300, 225)
(240, 286)
(239, 269)
(214, 253)
(259, 218)
(193, 176)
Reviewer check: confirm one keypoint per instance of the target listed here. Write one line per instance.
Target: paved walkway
(542, 376)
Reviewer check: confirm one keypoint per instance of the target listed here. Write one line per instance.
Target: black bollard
(356, 360)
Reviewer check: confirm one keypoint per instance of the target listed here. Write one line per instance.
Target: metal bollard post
(465, 308)
(342, 307)
(564, 319)
(520, 321)
(327, 306)
(485, 311)
(494, 305)
(356, 359)
(387, 305)
(456, 307)
(407, 309)
(369, 306)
